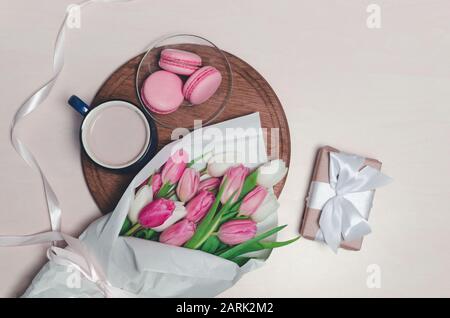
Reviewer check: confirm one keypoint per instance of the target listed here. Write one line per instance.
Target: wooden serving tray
(251, 93)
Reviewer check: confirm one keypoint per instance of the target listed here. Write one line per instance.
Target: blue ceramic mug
(116, 134)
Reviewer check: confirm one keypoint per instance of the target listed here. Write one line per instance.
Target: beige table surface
(382, 92)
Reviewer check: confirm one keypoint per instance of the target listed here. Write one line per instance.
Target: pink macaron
(162, 92)
(179, 62)
(202, 85)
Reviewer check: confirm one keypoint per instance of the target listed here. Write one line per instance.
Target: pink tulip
(252, 201)
(199, 206)
(235, 177)
(210, 184)
(178, 234)
(156, 213)
(237, 231)
(156, 182)
(188, 184)
(174, 167)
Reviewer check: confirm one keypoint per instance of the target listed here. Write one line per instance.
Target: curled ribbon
(345, 202)
(77, 254)
(32, 103)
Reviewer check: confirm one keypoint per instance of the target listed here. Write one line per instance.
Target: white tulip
(269, 205)
(143, 197)
(177, 214)
(271, 173)
(204, 177)
(220, 163)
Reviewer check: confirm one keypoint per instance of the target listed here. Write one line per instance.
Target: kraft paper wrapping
(310, 223)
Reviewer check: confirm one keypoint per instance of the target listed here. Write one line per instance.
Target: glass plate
(211, 55)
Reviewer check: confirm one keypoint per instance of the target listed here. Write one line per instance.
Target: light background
(383, 93)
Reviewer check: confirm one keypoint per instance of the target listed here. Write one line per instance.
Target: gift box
(344, 185)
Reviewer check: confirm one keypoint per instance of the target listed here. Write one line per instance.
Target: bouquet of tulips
(215, 208)
(191, 223)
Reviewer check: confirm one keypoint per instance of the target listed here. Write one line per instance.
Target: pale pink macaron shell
(162, 92)
(179, 61)
(202, 85)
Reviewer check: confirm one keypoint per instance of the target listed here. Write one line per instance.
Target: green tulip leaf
(228, 216)
(222, 248)
(146, 234)
(126, 226)
(211, 244)
(211, 226)
(240, 261)
(270, 245)
(249, 184)
(237, 249)
(197, 240)
(258, 246)
(165, 190)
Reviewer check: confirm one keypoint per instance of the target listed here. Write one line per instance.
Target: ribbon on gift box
(346, 201)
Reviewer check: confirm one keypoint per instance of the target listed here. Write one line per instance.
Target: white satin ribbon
(32, 104)
(346, 201)
(76, 255)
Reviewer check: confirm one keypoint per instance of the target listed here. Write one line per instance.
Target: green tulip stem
(204, 228)
(133, 229)
(249, 184)
(214, 224)
(170, 194)
(165, 190)
(193, 161)
(149, 181)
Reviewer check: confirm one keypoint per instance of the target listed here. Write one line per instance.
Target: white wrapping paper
(151, 269)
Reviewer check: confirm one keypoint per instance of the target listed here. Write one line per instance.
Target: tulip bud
(178, 213)
(156, 213)
(252, 201)
(156, 182)
(188, 184)
(199, 206)
(271, 173)
(209, 184)
(269, 205)
(178, 234)
(174, 167)
(235, 178)
(237, 231)
(143, 197)
(220, 163)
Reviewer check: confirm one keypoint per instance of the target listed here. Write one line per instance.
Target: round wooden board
(251, 93)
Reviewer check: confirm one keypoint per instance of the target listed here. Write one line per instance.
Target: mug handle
(78, 105)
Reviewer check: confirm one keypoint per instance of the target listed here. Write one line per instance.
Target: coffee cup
(116, 134)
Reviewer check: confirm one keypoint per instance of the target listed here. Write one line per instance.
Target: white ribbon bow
(345, 202)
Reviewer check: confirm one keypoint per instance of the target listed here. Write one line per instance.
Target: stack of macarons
(164, 90)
